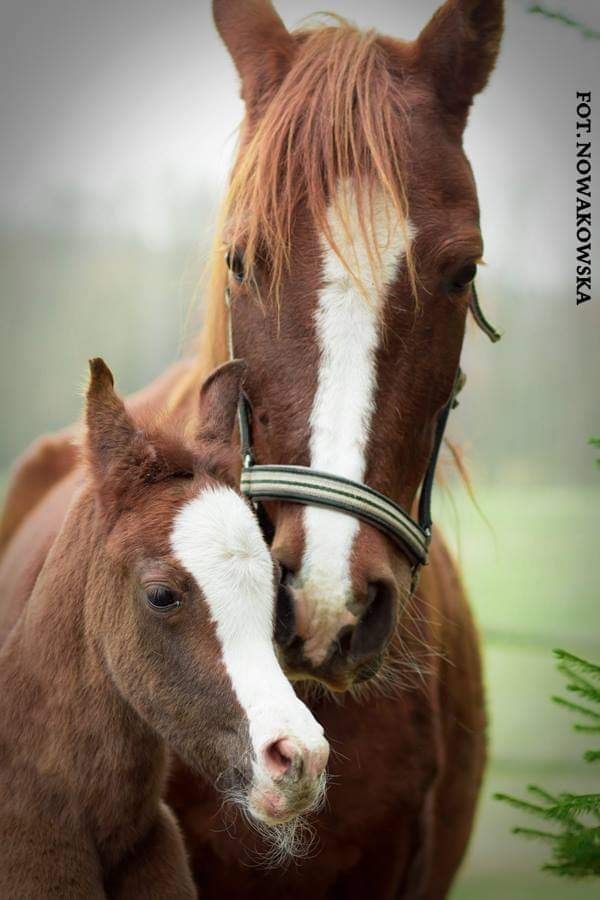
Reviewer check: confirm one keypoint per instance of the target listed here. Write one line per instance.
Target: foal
(150, 625)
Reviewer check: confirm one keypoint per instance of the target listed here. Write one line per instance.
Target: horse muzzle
(289, 780)
(334, 638)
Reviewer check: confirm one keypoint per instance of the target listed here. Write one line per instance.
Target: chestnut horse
(150, 626)
(352, 235)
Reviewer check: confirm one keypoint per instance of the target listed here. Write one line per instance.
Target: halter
(301, 484)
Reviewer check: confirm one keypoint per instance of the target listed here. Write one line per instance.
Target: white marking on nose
(217, 540)
(348, 325)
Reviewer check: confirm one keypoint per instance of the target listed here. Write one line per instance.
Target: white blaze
(348, 325)
(217, 540)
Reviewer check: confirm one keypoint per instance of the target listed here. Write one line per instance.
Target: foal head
(180, 598)
(353, 231)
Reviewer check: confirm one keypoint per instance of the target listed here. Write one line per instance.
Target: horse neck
(212, 345)
(62, 715)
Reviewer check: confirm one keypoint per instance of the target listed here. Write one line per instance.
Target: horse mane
(338, 116)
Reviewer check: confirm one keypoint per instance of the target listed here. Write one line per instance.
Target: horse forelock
(339, 116)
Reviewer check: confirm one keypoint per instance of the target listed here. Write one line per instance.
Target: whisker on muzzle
(283, 843)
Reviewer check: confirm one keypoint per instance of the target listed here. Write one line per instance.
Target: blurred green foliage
(70, 290)
(570, 820)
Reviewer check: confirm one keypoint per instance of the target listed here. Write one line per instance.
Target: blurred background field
(533, 581)
(120, 130)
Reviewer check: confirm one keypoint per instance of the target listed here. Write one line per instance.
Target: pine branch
(575, 849)
(566, 670)
(575, 707)
(575, 680)
(535, 833)
(523, 805)
(561, 17)
(577, 662)
(564, 810)
(574, 804)
(595, 442)
(577, 856)
(542, 794)
(587, 691)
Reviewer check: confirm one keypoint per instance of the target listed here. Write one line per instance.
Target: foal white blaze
(218, 541)
(348, 326)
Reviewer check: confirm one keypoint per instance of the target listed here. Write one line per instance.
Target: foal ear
(459, 47)
(111, 433)
(259, 44)
(219, 398)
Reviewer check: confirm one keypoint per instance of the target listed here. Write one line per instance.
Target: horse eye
(235, 264)
(462, 278)
(162, 599)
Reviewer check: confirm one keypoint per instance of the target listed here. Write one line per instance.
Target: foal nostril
(376, 623)
(283, 757)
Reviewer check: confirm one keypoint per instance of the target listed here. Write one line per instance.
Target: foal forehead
(216, 538)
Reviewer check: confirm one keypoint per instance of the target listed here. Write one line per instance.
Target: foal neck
(62, 720)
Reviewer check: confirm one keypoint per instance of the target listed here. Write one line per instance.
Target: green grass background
(532, 577)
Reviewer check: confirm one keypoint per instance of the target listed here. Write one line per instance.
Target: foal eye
(461, 279)
(162, 599)
(235, 264)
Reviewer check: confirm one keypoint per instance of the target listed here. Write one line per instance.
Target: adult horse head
(352, 230)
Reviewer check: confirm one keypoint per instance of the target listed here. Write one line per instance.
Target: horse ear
(459, 46)
(111, 433)
(259, 44)
(219, 398)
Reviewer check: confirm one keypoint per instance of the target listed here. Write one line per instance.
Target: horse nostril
(282, 757)
(344, 640)
(285, 619)
(375, 626)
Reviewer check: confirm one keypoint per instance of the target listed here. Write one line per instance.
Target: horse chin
(274, 804)
(335, 682)
(269, 808)
(279, 821)
(368, 671)
(303, 680)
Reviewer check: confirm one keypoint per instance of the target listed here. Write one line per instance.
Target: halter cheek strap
(301, 484)
(477, 312)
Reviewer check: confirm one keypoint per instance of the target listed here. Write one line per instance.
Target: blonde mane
(338, 115)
